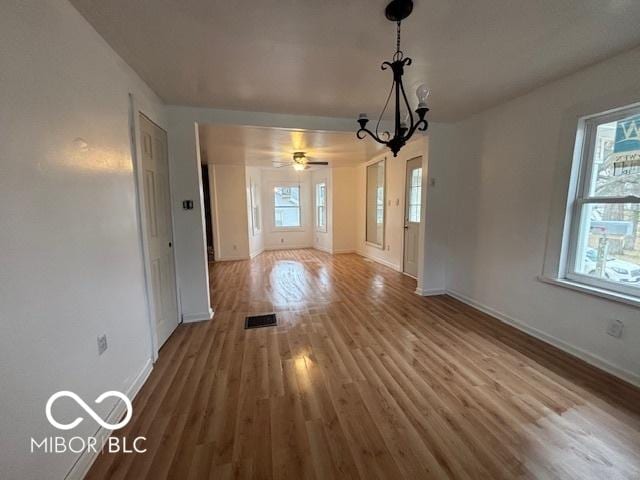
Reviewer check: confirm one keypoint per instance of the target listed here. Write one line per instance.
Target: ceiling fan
(300, 162)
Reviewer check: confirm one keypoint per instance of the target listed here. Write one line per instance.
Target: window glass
(605, 242)
(415, 195)
(287, 206)
(609, 242)
(615, 169)
(321, 207)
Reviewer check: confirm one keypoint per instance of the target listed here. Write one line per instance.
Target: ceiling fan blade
(317, 163)
(283, 165)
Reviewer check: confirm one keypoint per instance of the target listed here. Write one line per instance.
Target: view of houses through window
(287, 206)
(606, 243)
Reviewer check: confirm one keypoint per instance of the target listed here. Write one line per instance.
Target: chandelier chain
(398, 55)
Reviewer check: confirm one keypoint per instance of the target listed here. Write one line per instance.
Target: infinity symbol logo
(89, 410)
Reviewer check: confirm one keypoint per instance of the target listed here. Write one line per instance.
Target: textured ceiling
(261, 146)
(323, 57)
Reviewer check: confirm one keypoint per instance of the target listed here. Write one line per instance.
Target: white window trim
(321, 229)
(384, 204)
(583, 156)
(254, 206)
(275, 228)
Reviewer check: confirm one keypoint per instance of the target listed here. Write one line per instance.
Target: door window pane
(415, 195)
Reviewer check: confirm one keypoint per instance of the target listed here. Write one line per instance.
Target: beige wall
(298, 238)
(229, 212)
(344, 194)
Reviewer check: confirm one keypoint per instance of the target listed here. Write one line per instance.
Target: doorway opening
(206, 195)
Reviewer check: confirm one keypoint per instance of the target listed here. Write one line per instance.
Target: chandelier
(405, 126)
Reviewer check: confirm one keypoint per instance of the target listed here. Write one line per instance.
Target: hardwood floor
(364, 379)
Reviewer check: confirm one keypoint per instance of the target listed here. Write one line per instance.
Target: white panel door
(412, 215)
(157, 204)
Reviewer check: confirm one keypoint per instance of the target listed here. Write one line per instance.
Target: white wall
(296, 238)
(189, 234)
(323, 240)
(229, 212)
(71, 257)
(256, 235)
(395, 171)
(508, 181)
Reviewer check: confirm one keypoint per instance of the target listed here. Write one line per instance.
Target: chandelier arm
(406, 102)
(373, 135)
(420, 125)
(385, 103)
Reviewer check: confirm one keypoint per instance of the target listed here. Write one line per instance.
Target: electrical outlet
(432, 182)
(282, 240)
(102, 344)
(615, 328)
(235, 247)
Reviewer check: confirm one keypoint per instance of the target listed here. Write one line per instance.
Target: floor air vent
(257, 321)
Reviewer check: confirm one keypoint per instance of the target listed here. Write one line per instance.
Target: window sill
(589, 290)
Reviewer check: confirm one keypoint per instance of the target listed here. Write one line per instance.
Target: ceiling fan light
(298, 167)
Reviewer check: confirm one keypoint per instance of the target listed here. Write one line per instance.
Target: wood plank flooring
(364, 379)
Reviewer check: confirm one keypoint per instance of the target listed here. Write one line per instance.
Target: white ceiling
(262, 146)
(323, 57)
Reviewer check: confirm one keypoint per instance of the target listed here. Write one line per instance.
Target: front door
(412, 215)
(157, 204)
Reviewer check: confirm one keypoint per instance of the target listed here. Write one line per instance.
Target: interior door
(157, 204)
(412, 215)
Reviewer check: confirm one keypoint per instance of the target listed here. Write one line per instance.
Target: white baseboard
(591, 359)
(386, 263)
(323, 249)
(86, 459)
(287, 247)
(197, 317)
(431, 292)
(255, 254)
(341, 251)
(232, 258)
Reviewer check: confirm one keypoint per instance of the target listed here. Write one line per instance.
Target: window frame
(579, 197)
(379, 161)
(277, 228)
(320, 228)
(256, 223)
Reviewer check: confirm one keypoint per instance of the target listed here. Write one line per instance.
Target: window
(255, 208)
(604, 242)
(321, 207)
(286, 201)
(415, 195)
(375, 203)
